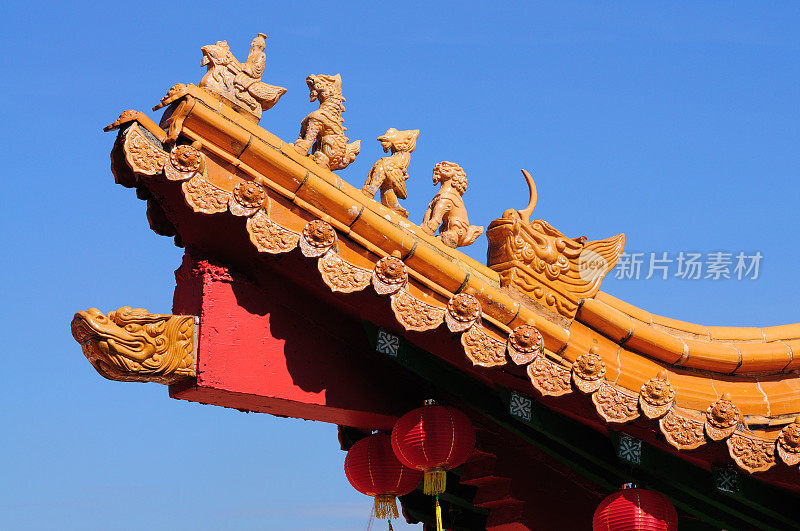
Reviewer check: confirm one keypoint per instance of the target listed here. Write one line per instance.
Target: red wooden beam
(280, 351)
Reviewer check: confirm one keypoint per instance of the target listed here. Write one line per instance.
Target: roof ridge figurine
(537, 259)
(447, 211)
(389, 174)
(216, 182)
(323, 130)
(240, 83)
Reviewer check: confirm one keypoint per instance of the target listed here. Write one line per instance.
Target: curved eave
(717, 349)
(633, 345)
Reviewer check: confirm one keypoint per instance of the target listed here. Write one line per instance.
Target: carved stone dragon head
(132, 345)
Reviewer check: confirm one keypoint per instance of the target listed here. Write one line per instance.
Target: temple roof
(701, 383)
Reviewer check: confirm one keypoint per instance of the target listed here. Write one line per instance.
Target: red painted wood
(282, 352)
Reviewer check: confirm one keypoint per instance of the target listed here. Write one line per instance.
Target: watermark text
(684, 265)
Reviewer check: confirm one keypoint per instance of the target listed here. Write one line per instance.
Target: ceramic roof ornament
(322, 131)
(389, 174)
(447, 211)
(216, 180)
(240, 83)
(537, 259)
(134, 345)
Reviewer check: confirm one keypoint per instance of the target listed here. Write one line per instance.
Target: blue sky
(674, 123)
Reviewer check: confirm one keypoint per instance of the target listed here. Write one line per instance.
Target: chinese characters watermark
(689, 266)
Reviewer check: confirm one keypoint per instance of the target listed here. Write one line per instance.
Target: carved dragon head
(132, 345)
(538, 260)
(395, 140)
(323, 87)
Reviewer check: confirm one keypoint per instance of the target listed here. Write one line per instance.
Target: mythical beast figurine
(240, 82)
(447, 211)
(323, 128)
(389, 174)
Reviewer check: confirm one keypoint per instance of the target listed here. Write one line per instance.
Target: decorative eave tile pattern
(615, 405)
(489, 323)
(414, 314)
(682, 432)
(789, 443)
(751, 453)
(524, 344)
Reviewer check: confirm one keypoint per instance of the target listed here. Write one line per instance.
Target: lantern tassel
(435, 482)
(385, 507)
(438, 515)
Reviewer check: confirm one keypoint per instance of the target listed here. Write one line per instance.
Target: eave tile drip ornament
(588, 371)
(390, 275)
(317, 239)
(722, 418)
(789, 443)
(524, 344)
(534, 258)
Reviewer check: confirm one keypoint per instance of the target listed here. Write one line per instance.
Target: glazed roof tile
(756, 366)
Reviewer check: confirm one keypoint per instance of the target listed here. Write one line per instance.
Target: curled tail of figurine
(266, 95)
(472, 234)
(353, 149)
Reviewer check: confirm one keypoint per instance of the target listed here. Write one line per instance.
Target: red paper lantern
(633, 509)
(372, 469)
(433, 439)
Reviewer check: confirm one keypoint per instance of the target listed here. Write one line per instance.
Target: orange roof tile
(634, 346)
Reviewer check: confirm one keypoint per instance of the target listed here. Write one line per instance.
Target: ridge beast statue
(323, 129)
(240, 82)
(389, 174)
(447, 211)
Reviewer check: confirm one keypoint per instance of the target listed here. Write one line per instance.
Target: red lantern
(633, 509)
(372, 469)
(433, 439)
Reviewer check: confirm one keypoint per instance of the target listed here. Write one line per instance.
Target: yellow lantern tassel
(385, 507)
(434, 482)
(438, 515)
